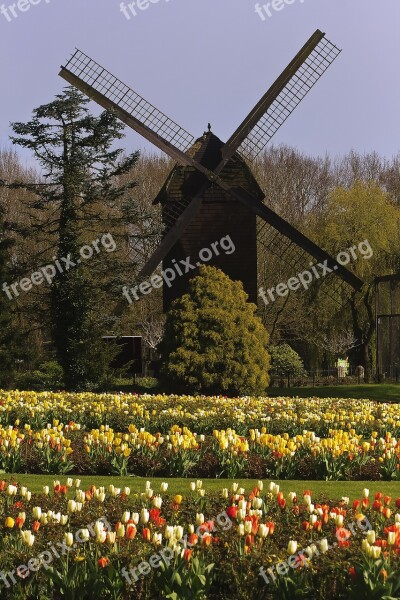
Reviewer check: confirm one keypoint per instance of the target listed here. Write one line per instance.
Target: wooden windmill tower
(220, 216)
(211, 192)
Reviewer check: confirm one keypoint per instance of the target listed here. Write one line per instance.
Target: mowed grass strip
(329, 489)
(380, 393)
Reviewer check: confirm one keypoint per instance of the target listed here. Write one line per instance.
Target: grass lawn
(382, 392)
(332, 489)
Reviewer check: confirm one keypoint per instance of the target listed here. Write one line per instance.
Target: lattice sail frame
(104, 82)
(293, 260)
(288, 99)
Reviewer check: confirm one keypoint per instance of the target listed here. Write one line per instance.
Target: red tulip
(353, 573)
(232, 512)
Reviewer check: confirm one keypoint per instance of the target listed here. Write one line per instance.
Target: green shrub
(48, 376)
(285, 361)
(214, 343)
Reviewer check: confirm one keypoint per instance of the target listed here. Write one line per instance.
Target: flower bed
(173, 436)
(202, 414)
(111, 543)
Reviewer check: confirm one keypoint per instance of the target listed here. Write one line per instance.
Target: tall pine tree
(80, 200)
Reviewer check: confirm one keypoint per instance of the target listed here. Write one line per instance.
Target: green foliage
(363, 212)
(184, 580)
(48, 376)
(9, 339)
(81, 195)
(148, 384)
(285, 361)
(374, 579)
(213, 341)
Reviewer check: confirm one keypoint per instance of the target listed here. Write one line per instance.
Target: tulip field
(244, 540)
(183, 436)
(69, 542)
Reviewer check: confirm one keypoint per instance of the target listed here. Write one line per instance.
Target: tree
(285, 361)
(365, 218)
(79, 199)
(337, 343)
(214, 343)
(29, 311)
(9, 338)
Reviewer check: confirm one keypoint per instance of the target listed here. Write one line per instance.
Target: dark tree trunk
(364, 334)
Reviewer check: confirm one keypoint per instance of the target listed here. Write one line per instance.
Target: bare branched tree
(337, 342)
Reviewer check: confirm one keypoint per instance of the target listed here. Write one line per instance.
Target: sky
(203, 61)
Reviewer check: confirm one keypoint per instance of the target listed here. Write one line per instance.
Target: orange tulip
(146, 534)
(35, 526)
(271, 527)
(103, 562)
(187, 554)
(131, 531)
(193, 539)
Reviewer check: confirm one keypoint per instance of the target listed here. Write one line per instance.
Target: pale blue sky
(211, 60)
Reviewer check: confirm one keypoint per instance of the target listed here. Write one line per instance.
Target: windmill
(211, 191)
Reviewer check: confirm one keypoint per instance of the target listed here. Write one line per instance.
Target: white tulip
(37, 512)
(157, 501)
(324, 546)
(371, 536)
(248, 526)
(339, 520)
(375, 552)
(391, 539)
(125, 517)
(27, 537)
(144, 516)
(84, 535)
(263, 530)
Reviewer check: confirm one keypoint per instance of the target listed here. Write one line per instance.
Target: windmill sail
(111, 93)
(283, 97)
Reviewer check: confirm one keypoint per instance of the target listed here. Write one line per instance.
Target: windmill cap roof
(207, 150)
